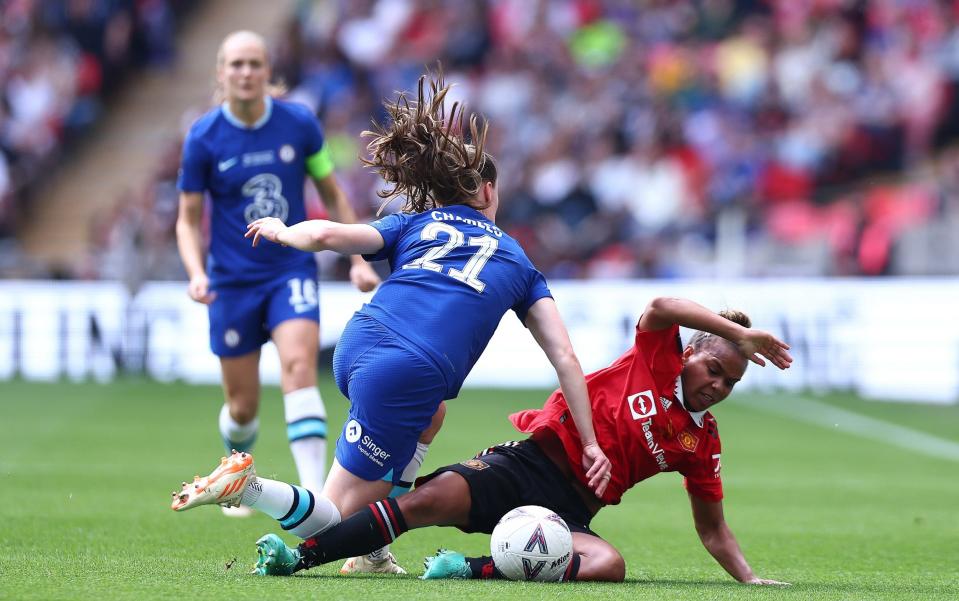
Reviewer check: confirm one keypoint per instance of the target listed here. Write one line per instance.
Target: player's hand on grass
(363, 276)
(597, 466)
(267, 227)
(766, 581)
(199, 289)
(758, 342)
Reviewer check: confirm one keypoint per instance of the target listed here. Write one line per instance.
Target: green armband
(319, 165)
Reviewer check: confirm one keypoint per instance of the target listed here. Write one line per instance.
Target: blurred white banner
(894, 339)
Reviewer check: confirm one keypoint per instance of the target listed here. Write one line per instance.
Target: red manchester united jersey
(640, 421)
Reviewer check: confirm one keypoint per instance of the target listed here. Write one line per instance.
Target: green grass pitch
(86, 472)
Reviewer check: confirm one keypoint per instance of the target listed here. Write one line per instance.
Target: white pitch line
(814, 412)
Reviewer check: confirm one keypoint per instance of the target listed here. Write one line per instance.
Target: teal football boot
(274, 558)
(446, 564)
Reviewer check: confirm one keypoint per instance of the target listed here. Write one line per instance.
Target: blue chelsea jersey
(454, 274)
(251, 172)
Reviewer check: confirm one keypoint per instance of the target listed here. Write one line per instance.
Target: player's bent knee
(600, 561)
(611, 567)
(616, 569)
(298, 367)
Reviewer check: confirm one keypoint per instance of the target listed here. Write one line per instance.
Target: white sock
(237, 436)
(412, 468)
(408, 476)
(306, 431)
(298, 510)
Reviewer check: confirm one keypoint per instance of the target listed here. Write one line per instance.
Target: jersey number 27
(469, 275)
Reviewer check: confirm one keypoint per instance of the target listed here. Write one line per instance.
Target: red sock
(483, 568)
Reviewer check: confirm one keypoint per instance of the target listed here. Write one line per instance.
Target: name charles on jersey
(443, 216)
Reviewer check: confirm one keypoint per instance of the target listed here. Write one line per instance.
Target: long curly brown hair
(425, 155)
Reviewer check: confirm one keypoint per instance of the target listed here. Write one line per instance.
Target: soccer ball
(531, 543)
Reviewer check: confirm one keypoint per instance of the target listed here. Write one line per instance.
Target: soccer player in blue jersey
(454, 274)
(252, 155)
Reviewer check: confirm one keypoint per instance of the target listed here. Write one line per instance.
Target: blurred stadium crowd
(59, 60)
(657, 138)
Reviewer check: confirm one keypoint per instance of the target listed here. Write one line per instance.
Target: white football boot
(364, 565)
(224, 486)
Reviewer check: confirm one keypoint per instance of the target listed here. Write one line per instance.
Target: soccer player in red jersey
(650, 414)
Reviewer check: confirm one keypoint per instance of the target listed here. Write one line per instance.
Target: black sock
(483, 568)
(366, 531)
(572, 570)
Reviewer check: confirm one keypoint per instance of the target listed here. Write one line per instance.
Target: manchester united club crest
(475, 464)
(688, 441)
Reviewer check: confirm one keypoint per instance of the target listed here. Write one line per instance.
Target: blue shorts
(393, 390)
(242, 317)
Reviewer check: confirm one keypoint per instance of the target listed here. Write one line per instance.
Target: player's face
(244, 71)
(710, 373)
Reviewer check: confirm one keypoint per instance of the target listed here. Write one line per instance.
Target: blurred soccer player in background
(454, 274)
(650, 409)
(252, 155)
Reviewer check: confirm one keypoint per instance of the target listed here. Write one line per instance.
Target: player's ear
(687, 353)
(487, 193)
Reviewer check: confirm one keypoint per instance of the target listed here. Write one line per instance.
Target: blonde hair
(701, 339)
(423, 153)
(275, 89)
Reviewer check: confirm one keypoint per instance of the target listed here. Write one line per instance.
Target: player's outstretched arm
(546, 325)
(662, 312)
(317, 234)
(719, 541)
(334, 198)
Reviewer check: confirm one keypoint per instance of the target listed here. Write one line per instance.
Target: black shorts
(511, 475)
